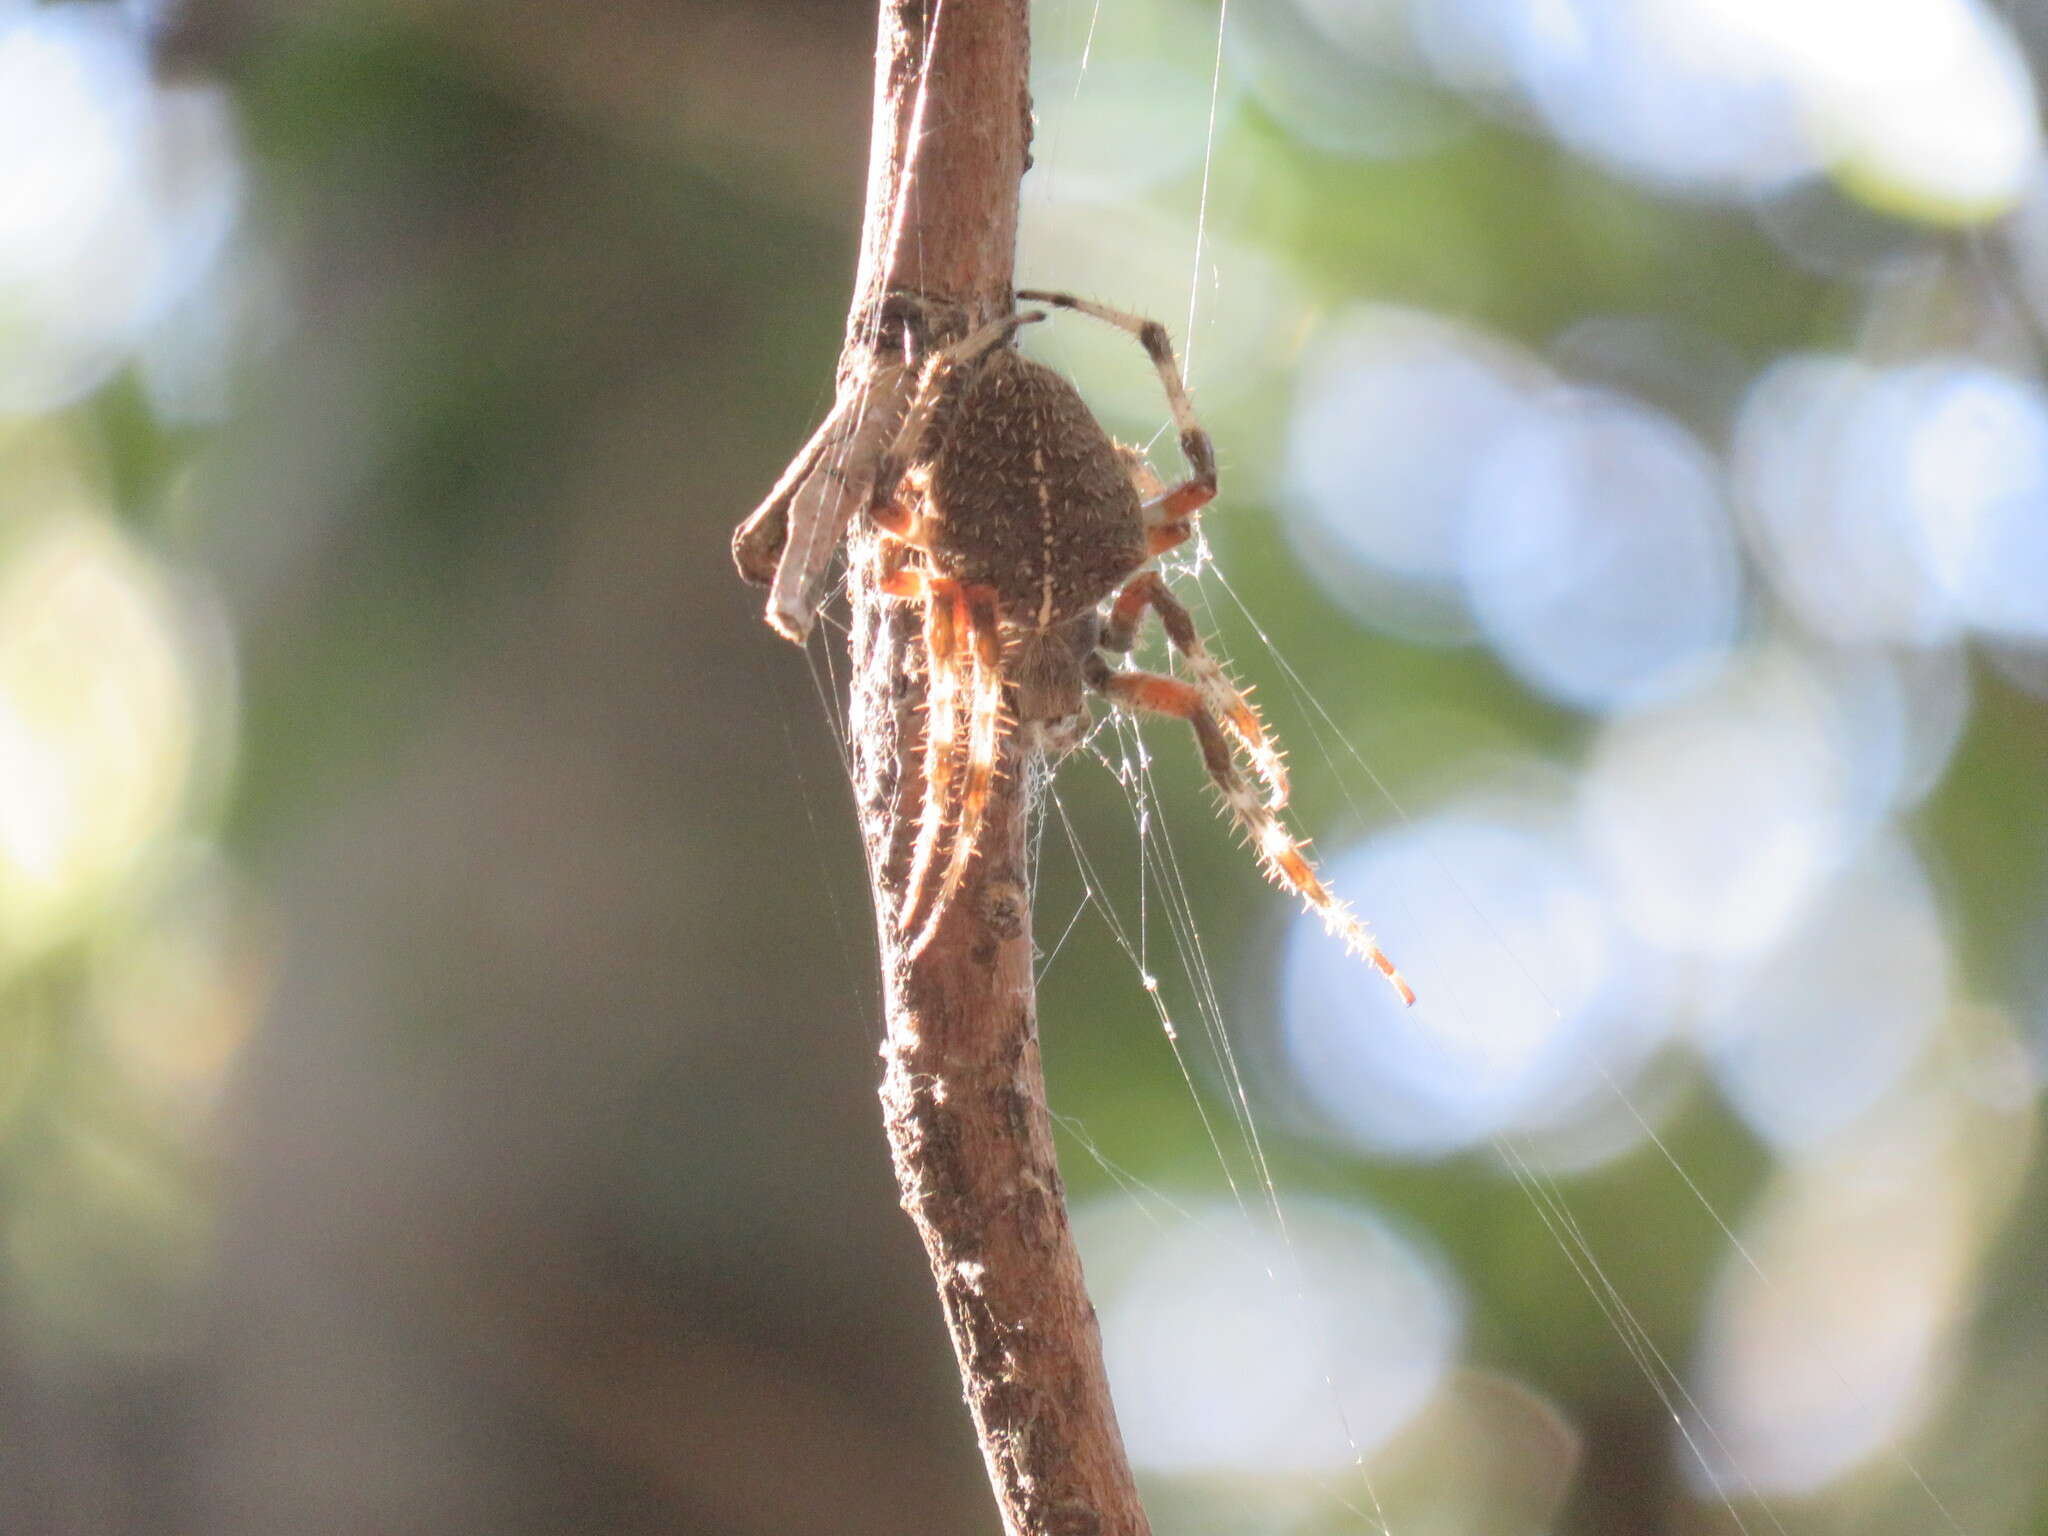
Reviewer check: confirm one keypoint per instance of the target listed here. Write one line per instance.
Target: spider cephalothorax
(1013, 518)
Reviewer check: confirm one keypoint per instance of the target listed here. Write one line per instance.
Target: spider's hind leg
(1224, 700)
(1282, 855)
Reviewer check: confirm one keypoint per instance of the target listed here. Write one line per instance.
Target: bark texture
(962, 1093)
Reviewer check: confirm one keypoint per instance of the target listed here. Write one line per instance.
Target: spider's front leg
(1167, 508)
(1281, 854)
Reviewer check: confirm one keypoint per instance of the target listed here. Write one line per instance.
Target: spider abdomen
(1029, 496)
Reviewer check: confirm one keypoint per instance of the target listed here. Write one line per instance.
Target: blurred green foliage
(545, 1194)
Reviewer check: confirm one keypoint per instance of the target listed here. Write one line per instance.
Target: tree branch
(962, 1092)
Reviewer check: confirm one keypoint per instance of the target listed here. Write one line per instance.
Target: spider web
(1154, 918)
(1163, 914)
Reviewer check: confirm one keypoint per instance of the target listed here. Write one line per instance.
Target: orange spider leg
(943, 616)
(1180, 502)
(1170, 535)
(893, 518)
(1283, 856)
(904, 581)
(903, 520)
(977, 613)
(1164, 530)
(1225, 700)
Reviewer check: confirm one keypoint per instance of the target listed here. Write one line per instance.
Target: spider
(1028, 534)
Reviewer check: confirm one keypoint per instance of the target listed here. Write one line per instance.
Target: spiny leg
(1200, 487)
(943, 621)
(953, 613)
(951, 617)
(977, 614)
(1283, 857)
(1164, 532)
(1224, 700)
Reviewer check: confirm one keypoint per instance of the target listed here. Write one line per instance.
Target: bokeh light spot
(97, 722)
(1597, 553)
(1815, 468)
(1976, 474)
(1817, 1032)
(116, 196)
(1825, 1334)
(1341, 75)
(1395, 409)
(1226, 1339)
(1525, 986)
(1924, 106)
(1715, 820)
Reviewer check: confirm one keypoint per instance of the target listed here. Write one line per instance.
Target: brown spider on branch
(1012, 517)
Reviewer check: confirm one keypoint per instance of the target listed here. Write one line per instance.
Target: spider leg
(1282, 855)
(907, 581)
(977, 614)
(1224, 700)
(1199, 489)
(942, 623)
(1163, 531)
(1169, 534)
(955, 615)
(902, 521)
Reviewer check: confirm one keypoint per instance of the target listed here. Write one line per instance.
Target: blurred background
(437, 1002)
